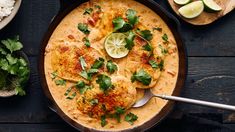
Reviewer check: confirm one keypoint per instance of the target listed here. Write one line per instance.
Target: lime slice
(182, 2)
(211, 6)
(115, 45)
(192, 10)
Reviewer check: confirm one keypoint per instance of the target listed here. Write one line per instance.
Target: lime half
(115, 45)
(182, 2)
(192, 10)
(211, 6)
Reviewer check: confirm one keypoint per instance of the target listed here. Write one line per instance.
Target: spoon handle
(197, 102)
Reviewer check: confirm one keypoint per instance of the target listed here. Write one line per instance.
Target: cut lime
(115, 45)
(182, 2)
(211, 6)
(192, 10)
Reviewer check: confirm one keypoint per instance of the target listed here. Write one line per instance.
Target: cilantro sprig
(130, 117)
(141, 76)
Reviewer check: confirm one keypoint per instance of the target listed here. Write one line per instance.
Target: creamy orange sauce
(165, 84)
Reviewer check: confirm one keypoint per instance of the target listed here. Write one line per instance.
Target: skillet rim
(174, 26)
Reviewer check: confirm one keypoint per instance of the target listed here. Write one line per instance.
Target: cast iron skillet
(66, 7)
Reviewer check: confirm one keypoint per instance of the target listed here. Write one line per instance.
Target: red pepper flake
(91, 21)
(71, 36)
(63, 49)
(145, 58)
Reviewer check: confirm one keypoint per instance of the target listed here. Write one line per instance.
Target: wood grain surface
(207, 18)
(211, 75)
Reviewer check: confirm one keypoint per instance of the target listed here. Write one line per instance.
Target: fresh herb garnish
(141, 76)
(165, 37)
(83, 63)
(130, 40)
(88, 11)
(131, 16)
(163, 50)
(86, 42)
(104, 82)
(54, 75)
(15, 69)
(161, 65)
(94, 101)
(158, 29)
(68, 91)
(61, 82)
(88, 74)
(82, 87)
(130, 117)
(146, 34)
(83, 28)
(98, 6)
(111, 66)
(148, 47)
(80, 84)
(72, 96)
(118, 112)
(153, 64)
(103, 120)
(120, 25)
(98, 63)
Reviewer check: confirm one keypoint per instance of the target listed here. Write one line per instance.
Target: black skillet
(66, 7)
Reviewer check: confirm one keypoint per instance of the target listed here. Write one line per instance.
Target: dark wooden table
(211, 75)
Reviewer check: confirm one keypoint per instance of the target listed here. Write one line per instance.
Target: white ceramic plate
(7, 19)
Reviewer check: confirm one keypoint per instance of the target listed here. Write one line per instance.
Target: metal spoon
(148, 95)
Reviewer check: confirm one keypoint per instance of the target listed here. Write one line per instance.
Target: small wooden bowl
(8, 19)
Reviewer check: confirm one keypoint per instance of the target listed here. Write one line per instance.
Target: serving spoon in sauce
(148, 95)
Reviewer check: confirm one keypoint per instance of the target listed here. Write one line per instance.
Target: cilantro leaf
(83, 28)
(94, 101)
(80, 84)
(3, 51)
(12, 44)
(153, 64)
(165, 37)
(130, 117)
(19, 90)
(82, 87)
(54, 75)
(72, 96)
(161, 65)
(86, 42)
(141, 76)
(61, 82)
(88, 11)
(111, 66)
(130, 40)
(131, 16)
(4, 64)
(163, 50)
(104, 82)
(11, 59)
(148, 47)
(158, 29)
(120, 25)
(85, 75)
(146, 34)
(103, 120)
(98, 63)
(68, 91)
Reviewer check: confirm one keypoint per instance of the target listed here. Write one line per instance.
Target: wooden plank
(207, 18)
(34, 16)
(211, 79)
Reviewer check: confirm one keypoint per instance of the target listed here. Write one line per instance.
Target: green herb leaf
(88, 11)
(104, 82)
(120, 25)
(163, 50)
(94, 101)
(130, 117)
(61, 82)
(84, 89)
(86, 42)
(83, 28)
(68, 91)
(148, 47)
(153, 64)
(98, 63)
(54, 75)
(72, 96)
(85, 75)
(12, 44)
(80, 84)
(161, 65)
(103, 121)
(165, 37)
(131, 16)
(146, 34)
(142, 76)
(111, 66)
(130, 40)
(83, 63)
(158, 29)
(3, 51)
(98, 6)
(11, 59)
(19, 90)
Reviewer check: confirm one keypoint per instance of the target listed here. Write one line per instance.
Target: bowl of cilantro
(14, 68)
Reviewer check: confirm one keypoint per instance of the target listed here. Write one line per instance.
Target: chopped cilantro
(98, 6)
(141, 76)
(104, 82)
(12, 44)
(161, 65)
(146, 34)
(153, 64)
(148, 47)
(165, 37)
(130, 40)
(94, 101)
(61, 82)
(98, 63)
(88, 11)
(72, 96)
(86, 42)
(68, 91)
(84, 74)
(80, 84)
(83, 28)
(84, 89)
(118, 112)
(130, 117)
(111, 66)
(120, 25)
(131, 16)
(103, 120)
(163, 50)
(54, 75)
(88, 74)
(83, 63)
(157, 28)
